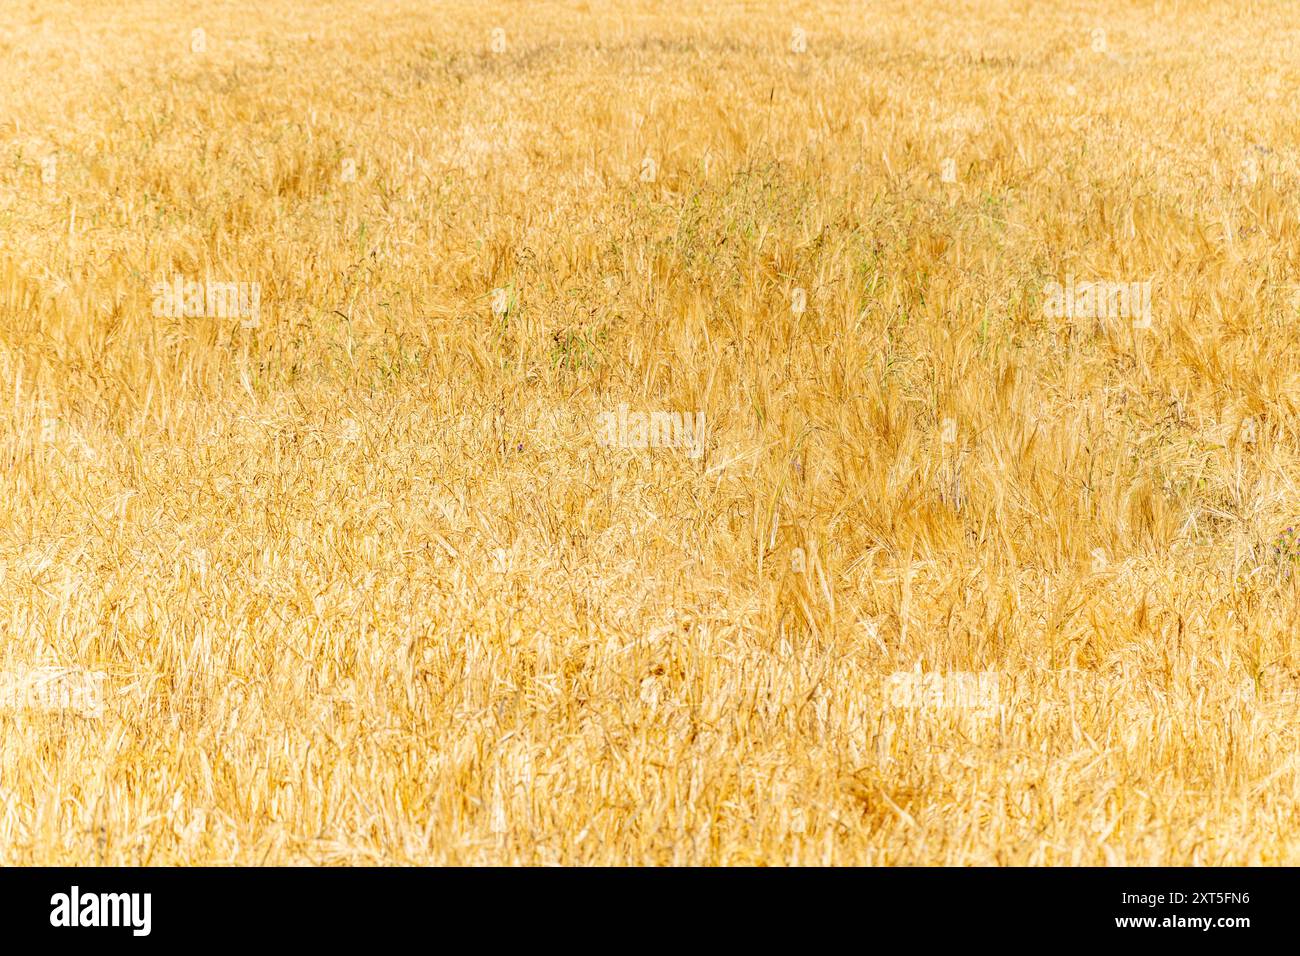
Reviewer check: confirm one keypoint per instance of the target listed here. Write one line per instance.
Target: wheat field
(629, 432)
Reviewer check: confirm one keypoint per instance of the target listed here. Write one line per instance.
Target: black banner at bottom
(553, 906)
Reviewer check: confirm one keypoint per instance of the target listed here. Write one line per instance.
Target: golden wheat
(388, 569)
